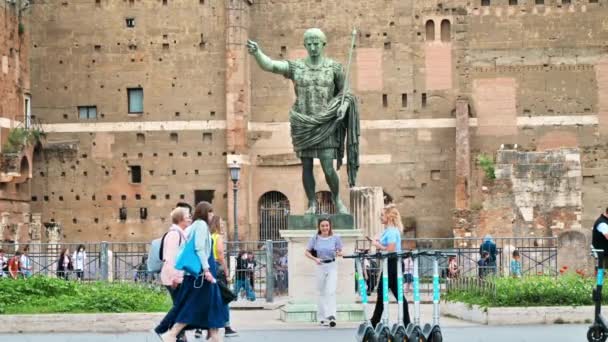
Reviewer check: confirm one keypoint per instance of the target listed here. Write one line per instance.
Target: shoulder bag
(187, 260)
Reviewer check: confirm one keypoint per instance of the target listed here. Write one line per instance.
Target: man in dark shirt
(244, 270)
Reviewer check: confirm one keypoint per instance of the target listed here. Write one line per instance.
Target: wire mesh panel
(325, 205)
(258, 269)
(273, 212)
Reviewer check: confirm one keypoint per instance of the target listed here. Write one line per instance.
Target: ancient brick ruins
(144, 103)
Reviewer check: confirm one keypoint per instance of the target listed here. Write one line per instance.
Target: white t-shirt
(25, 262)
(602, 228)
(79, 260)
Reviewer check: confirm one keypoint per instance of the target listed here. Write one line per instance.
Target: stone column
(463, 155)
(238, 107)
(303, 293)
(35, 228)
(366, 204)
(462, 217)
(53, 235)
(3, 224)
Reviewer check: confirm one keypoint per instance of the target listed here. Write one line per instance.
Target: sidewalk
(242, 319)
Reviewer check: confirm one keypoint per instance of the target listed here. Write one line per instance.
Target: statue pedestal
(303, 293)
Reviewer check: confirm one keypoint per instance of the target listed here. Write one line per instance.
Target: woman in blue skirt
(199, 303)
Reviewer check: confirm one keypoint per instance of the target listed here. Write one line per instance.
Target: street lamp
(235, 173)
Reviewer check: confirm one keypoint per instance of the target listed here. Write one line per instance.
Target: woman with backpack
(199, 303)
(323, 248)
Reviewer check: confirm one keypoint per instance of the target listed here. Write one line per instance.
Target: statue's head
(314, 42)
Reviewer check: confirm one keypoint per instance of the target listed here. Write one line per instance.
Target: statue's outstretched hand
(252, 46)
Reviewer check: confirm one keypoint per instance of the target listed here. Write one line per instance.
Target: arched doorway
(325, 206)
(273, 209)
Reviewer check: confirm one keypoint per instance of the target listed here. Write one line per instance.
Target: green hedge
(51, 295)
(566, 290)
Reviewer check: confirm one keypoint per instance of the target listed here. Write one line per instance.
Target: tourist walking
(64, 264)
(489, 246)
(25, 263)
(14, 265)
(408, 274)
(323, 248)
(484, 264)
(80, 260)
(515, 265)
(171, 278)
(243, 276)
(453, 269)
(199, 304)
(217, 235)
(3, 264)
(390, 241)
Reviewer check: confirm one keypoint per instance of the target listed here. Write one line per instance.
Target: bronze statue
(324, 117)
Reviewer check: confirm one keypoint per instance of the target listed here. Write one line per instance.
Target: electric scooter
(365, 332)
(432, 333)
(413, 331)
(383, 331)
(398, 332)
(598, 332)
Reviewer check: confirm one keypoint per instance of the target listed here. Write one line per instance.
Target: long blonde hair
(392, 216)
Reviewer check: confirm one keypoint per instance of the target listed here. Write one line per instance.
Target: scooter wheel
(437, 337)
(596, 334)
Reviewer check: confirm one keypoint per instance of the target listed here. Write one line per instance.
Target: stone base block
(339, 221)
(306, 312)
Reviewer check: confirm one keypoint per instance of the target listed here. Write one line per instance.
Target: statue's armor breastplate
(314, 86)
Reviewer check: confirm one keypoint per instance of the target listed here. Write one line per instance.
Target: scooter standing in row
(598, 332)
(365, 332)
(432, 333)
(398, 332)
(413, 331)
(383, 331)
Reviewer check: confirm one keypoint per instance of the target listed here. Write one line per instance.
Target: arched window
(446, 30)
(430, 31)
(325, 206)
(273, 209)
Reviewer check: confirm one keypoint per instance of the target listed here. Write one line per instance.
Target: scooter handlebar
(594, 251)
(377, 255)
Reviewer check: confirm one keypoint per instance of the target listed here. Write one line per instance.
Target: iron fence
(258, 269)
(537, 256)
(127, 261)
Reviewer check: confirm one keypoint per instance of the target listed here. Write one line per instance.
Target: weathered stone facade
(15, 167)
(439, 82)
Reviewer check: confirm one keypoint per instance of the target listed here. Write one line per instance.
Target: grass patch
(49, 295)
(566, 290)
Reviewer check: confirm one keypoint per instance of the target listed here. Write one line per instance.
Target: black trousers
(392, 285)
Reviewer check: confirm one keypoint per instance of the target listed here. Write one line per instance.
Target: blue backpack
(155, 254)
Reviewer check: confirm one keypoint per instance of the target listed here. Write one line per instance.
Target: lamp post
(235, 172)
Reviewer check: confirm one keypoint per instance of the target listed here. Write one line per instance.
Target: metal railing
(126, 261)
(537, 256)
(259, 267)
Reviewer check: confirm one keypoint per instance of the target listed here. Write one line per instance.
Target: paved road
(552, 333)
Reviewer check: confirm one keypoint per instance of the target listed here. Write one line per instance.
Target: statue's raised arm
(265, 62)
